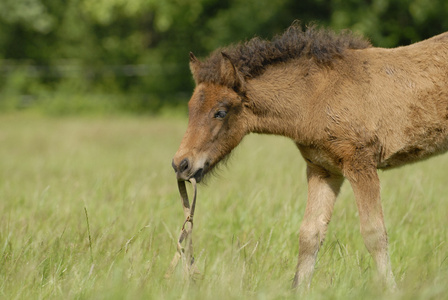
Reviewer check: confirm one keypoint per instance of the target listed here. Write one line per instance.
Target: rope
(186, 232)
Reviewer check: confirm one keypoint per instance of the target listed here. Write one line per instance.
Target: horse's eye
(221, 114)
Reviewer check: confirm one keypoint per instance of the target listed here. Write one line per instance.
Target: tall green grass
(89, 209)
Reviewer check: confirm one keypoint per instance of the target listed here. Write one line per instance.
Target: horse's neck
(282, 100)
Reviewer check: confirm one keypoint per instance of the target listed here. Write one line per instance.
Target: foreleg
(323, 189)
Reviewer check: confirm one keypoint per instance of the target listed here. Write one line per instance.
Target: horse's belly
(413, 153)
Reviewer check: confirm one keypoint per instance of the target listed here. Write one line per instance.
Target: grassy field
(118, 170)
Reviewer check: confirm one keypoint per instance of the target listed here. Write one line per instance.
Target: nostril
(184, 165)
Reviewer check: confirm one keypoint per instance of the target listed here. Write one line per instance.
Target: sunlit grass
(247, 220)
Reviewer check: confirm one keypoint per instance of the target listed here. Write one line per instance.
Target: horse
(351, 109)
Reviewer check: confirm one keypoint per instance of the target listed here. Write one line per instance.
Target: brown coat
(349, 107)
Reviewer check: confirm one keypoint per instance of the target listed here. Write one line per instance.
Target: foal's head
(216, 122)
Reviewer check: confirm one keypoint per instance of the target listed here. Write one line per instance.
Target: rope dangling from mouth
(186, 232)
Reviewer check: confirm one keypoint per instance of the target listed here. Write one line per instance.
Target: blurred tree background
(132, 55)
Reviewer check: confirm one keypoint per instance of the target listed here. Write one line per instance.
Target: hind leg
(323, 189)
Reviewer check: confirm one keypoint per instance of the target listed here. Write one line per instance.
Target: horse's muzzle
(184, 171)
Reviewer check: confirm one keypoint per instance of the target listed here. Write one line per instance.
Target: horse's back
(404, 96)
(423, 93)
(440, 38)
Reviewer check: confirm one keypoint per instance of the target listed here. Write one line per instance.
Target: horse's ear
(195, 64)
(230, 74)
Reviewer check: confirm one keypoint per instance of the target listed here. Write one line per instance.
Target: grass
(89, 210)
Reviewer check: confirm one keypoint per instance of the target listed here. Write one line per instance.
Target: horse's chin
(209, 169)
(199, 175)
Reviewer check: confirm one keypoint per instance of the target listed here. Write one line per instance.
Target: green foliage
(141, 47)
(392, 23)
(32, 14)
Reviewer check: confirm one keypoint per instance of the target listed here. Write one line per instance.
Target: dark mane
(252, 57)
